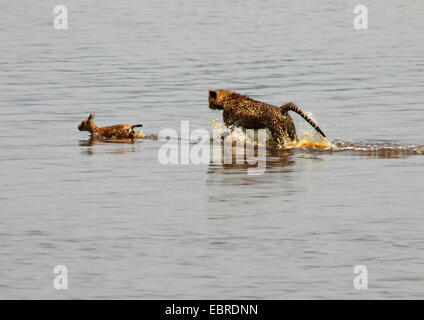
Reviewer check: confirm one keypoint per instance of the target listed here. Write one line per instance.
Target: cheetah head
(217, 99)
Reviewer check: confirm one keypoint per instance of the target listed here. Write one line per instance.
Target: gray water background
(126, 226)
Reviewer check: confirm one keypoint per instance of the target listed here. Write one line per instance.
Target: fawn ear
(91, 116)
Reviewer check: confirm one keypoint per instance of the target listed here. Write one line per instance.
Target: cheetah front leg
(228, 118)
(278, 134)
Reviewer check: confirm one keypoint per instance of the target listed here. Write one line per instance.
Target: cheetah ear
(212, 94)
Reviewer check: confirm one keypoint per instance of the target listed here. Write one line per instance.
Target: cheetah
(242, 111)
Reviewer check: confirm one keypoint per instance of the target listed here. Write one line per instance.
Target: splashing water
(138, 134)
(313, 141)
(309, 139)
(237, 134)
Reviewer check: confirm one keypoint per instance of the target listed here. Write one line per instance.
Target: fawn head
(87, 124)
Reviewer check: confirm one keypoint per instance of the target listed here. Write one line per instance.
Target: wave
(312, 141)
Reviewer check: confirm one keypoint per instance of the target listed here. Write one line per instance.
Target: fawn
(119, 131)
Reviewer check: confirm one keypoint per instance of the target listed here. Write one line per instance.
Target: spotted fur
(242, 111)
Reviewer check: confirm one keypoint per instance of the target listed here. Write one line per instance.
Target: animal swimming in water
(242, 111)
(119, 131)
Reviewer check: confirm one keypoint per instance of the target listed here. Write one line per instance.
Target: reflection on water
(310, 146)
(278, 159)
(275, 160)
(91, 143)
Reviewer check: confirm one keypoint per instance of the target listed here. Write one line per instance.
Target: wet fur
(119, 131)
(242, 111)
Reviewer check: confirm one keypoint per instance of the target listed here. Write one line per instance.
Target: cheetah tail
(295, 108)
(136, 125)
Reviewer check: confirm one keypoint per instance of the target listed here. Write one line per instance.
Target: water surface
(128, 227)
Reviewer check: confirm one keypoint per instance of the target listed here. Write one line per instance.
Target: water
(126, 226)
